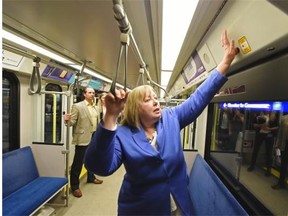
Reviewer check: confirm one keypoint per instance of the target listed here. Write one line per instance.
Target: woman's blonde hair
(131, 111)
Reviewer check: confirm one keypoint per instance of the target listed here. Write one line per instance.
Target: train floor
(102, 199)
(97, 199)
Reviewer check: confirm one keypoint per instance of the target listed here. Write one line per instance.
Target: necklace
(150, 134)
(150, 139)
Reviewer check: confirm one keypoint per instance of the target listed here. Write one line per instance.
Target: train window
(53, 114)
(188, 137)
(10, 112)
(242, 145)
(187, 133)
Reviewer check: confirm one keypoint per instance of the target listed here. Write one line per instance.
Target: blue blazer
(151, 175)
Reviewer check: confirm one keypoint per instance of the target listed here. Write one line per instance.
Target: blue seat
(208, 194)
(24, 191)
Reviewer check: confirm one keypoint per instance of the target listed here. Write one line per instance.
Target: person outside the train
(83, 118)
(282, 144)
(148, 143)
(235, 127)
(223, 128)
(266, 129)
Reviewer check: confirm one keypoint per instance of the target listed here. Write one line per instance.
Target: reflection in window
(53, 113)
(244, 141)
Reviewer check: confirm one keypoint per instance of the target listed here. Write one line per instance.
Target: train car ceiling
(87, 31)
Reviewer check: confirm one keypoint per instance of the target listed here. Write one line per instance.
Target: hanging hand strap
(124, 43)
(35, 77)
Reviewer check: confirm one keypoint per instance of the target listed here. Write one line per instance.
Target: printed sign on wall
(193, 69)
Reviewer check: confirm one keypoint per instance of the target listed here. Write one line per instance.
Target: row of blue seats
(24, 191)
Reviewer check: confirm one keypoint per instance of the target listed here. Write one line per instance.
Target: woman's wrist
(223, 67)
(110, 121)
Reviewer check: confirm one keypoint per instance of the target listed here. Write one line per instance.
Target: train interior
(52, 50)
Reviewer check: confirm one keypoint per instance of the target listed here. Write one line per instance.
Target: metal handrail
(125, 27)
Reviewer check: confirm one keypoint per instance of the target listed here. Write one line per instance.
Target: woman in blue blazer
(148, 143)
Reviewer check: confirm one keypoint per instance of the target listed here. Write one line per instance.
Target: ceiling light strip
(27, 55)
(15, 39)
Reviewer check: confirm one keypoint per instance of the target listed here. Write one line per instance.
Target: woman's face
(149, 109)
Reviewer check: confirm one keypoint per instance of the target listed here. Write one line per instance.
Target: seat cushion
(208, 194)
(28, 198)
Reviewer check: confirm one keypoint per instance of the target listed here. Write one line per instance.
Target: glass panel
(249, 140)
(53, 114)
(188, 137)
(188, 133)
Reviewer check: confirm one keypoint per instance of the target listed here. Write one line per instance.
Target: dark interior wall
(263, 82)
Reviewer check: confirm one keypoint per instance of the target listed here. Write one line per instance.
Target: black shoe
(278, 186)
(250, 168)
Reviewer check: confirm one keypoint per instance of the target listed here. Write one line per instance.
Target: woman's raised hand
(230, 51)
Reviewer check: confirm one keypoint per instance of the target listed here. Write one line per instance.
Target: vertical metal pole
(54, 118)
(68, 147)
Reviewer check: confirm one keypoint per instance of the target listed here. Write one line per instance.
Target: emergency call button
(244, 45)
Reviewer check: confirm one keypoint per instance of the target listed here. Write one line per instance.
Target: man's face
(89, 94)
